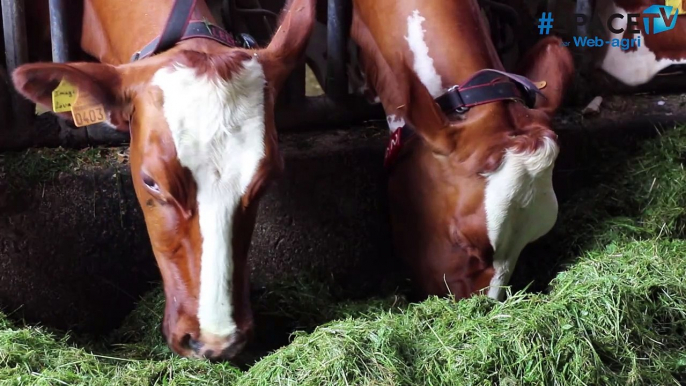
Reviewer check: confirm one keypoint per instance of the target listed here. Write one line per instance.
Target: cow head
(472, 191)
(203, 148)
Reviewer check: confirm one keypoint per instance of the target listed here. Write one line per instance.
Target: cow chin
(445, 257)
(183, 337)
(215, 336)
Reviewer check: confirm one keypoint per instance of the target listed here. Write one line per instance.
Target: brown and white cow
(652, 54)
(471, 190)
(203, 149)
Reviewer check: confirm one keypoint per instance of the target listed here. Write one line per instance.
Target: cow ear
(289, 42)
(36, 81)
(550, 62)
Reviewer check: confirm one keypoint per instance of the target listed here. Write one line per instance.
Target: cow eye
(150, 183)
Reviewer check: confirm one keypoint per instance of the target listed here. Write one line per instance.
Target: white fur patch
(218, 129)
(395, 122)
(632, 68)
(521, 206)
(423, 63)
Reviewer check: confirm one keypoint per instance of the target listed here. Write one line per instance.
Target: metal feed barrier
(328, 55)
(295, 111)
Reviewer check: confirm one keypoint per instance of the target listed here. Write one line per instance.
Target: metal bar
(503, 12)
(316, 53)
(294, 88)
(339, 14)
(58, 31)
(14, 26)
(5, 108)
(584, 7)
(60, 54)
(317, 112)
(227, 14)
(312, 114)
(16, 54)
(257, 25)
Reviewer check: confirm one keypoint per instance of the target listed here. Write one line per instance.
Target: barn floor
(74, 251)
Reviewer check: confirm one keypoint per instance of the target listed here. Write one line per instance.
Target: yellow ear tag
(678, 4)
(63, 96)
(541, 85)
(86, 110)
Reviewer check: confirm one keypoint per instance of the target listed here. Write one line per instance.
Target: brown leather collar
(485, 86)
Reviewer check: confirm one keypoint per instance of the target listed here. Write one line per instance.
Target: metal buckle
(459, 110)
(247, 41)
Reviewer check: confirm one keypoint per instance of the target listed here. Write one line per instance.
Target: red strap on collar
(398, 139)
(393, 147)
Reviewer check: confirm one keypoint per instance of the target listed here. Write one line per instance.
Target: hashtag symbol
(546, 23)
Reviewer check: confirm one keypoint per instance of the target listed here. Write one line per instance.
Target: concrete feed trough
(74, 251)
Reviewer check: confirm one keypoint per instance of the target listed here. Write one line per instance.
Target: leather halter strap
(485, 86)
(488, 86)
(179, 27)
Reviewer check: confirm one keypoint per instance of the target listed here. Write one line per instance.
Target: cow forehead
(217, 125)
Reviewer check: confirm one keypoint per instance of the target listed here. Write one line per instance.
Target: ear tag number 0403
(86, 110)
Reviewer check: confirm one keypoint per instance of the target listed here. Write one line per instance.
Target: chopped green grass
(615, 316)
(25, 168)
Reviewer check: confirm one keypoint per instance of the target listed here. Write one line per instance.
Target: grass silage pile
(616, 314)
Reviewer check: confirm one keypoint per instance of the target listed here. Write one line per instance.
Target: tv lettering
(656, 19)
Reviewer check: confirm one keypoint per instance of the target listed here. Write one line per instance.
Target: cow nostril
(195, 345)
(186, 342)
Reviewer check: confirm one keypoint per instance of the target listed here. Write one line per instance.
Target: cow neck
(185, 23)
(484, 87)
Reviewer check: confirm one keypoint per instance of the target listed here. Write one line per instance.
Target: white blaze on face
(218, 130)
(521, 207)
(632, 68)
(423, 63)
